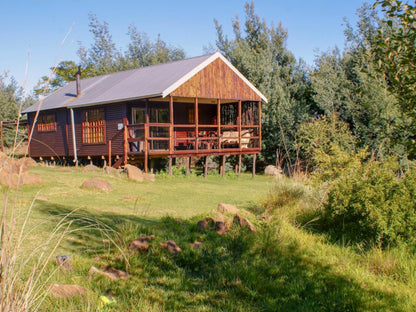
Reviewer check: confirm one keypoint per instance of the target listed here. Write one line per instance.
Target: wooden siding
(49, 143)
(113, 114)
(216, 81)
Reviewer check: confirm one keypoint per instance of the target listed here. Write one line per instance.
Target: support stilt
(239, 165)
(170, 166)
(223, 166)
(254, 165)
(206, 167)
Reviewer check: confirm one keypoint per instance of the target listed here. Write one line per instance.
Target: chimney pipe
(78, 78)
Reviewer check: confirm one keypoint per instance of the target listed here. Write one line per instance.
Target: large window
(46, 123)
(93, 126)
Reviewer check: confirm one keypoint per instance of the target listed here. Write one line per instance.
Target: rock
(220, 227)
(63, 262)
(31, 179)
(227, 208)
(134, 173)
(171, 246)
(141, 243)
(110, 272)
(66, 291)
(205, 224)
(111, 170)
(273, 171)
(149, 177)
(90, 167)
(28, 162)
(98, 184)
(196, 245)
(244, 222)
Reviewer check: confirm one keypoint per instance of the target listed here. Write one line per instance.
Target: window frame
(45, 125)
(93, 126)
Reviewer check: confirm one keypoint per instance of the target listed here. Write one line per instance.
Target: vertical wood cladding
(49, 143)
(216, 81)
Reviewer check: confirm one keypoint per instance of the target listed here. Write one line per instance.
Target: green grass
(282, 267)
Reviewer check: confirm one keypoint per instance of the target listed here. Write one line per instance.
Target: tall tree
(259, 52)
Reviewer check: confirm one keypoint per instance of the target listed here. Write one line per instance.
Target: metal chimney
(78, 78)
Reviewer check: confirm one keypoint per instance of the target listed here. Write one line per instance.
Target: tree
(259, 52)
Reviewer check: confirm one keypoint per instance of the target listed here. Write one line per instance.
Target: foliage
(320, 135)
(367, 201)
(259, 52)
(104, 57)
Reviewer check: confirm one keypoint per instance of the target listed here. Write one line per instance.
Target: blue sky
(39, 26)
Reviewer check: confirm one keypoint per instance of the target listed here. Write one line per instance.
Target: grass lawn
(281, 267)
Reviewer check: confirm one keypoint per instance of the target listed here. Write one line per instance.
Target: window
(93, 126)
(46, 123)
(191, 115)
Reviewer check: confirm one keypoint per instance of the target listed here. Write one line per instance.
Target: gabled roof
(145, 82)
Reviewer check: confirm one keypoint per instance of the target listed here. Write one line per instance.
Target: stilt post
(206, 167)
(254, 165)
(170, 166)
(223, 166)
(109, 153)
(239, 165)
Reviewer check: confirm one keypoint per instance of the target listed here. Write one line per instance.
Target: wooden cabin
(200, 106)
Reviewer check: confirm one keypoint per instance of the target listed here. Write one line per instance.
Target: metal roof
(145, 82)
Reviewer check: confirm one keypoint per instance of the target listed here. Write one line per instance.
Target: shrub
(369, 202)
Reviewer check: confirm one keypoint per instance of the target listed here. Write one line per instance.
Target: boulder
(90, 167)
(220, 228)
(31, 179)
(196, 245)
(244, 222)
(149, 177)
(63, 262)
(97, 184)
(41, 197)
(134, 173)
(111, 170)
(273, 171)
(66, 291)
(205, 224)
(141, 243)
(110, 272)
(171, 246)
(227, 208)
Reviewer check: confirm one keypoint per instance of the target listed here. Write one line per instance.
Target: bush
(370, 202)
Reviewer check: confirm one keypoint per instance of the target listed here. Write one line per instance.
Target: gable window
(93, 126)
(46, 123)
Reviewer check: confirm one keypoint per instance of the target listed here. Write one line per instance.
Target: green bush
(369, 202)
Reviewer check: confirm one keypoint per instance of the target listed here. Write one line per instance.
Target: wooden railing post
(196, 119)
(219, 123)
(1, 136)
(109, 153)
(171, 134)
(259, 121)
(146, 146)
(239, 124)
(126, 144)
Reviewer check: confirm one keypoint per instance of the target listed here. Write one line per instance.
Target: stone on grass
(97, 184)
(90, 167)
(134, 173)
(41, 197)
(171, 247)
(220, 227)
(244, 222)
(31, 179)
(141, 243)
(111, 170)
(227, 208)
(273, 171)
(63, 262)
(66, 291)
(196, 245)
(149, 177)
(205, 224)
(110, 272)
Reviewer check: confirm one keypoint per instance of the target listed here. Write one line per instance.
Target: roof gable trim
(204, 64)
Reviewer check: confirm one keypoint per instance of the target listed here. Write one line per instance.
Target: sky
(51, 31)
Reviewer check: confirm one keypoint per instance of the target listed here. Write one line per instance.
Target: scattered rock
(171, 246)
(31, 179)
(205, 224)
(220, 228)
(127, 198)
(110, 272)
(90, 167)
(134, 173)
(149, 177)
(98, 184)
(241, 221)
(66, 291)
(141, 243)
(273, 171)
(111, 170)
(227, 208)
(196, 245)
(28, 162)
(63, 262)
(41, 197)
(219, 217)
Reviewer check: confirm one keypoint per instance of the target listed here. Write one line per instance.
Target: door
(138, 117)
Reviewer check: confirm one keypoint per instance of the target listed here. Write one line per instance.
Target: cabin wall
(114, 115)
(49, 143)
